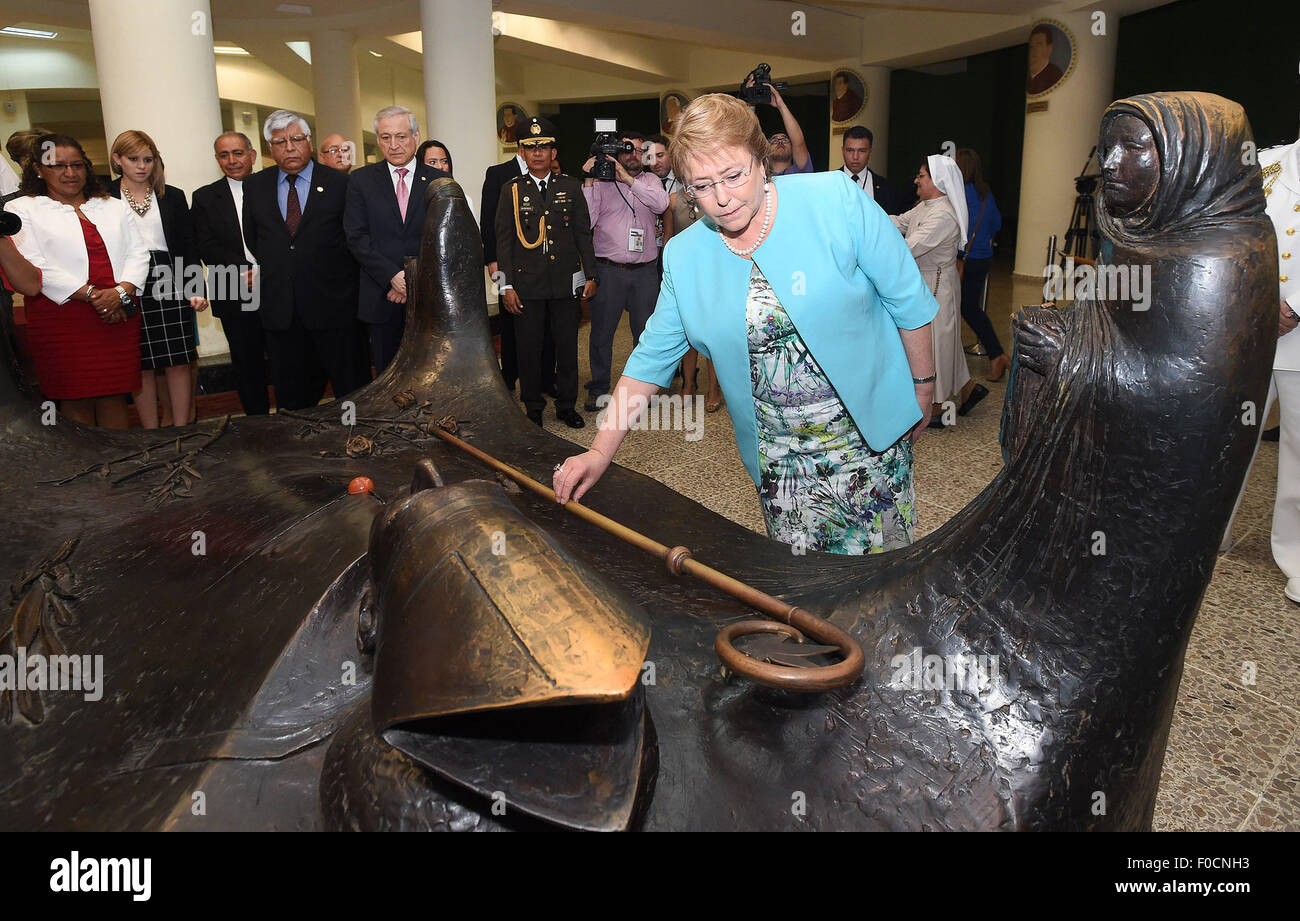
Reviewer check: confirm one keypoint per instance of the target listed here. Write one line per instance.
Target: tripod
(1082, 238)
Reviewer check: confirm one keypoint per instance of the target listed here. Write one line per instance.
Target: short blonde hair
(131, 143)
(712, 122)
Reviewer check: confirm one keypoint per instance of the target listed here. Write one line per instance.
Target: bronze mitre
(479, 609)
(502, 662)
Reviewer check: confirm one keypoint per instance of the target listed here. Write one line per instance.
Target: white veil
(947, 176)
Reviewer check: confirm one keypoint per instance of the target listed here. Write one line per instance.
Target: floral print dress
(821, 486)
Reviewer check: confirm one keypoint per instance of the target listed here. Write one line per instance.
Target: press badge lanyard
(635, 235)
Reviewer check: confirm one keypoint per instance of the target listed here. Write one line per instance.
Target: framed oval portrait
(510, 117)
(848, 95)
(670, 106)
(1051, 56)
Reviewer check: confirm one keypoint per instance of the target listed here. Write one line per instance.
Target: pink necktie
(403, 193)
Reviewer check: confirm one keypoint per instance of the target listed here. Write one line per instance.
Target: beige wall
(248, 79)
(27, 63)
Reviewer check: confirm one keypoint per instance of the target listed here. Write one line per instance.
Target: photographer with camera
(789, 148)
(623, 222)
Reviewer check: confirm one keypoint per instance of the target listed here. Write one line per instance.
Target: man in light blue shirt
(293, 226)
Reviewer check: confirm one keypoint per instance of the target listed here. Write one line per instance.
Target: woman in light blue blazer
(817, 321)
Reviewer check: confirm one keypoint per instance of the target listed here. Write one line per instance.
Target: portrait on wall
(670, 106)
(848, 95)
(1051, 57)
(509, 117)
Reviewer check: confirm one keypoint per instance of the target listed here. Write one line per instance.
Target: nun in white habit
(935, 230)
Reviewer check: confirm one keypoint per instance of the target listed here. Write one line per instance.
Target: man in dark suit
(493, 180)
(217, 213)
(856, 151)
(545, 251)
(383, 222)
(293, 225)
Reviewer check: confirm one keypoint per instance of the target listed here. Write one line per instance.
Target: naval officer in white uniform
(1280, 168)
(1281, 174)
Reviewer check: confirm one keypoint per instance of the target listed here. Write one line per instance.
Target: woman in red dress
(83, 325)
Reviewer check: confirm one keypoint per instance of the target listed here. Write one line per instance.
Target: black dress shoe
(591, 405)
(535, 415)
(977, 394)
(570, 418)
(936, 423)
(1272, 434)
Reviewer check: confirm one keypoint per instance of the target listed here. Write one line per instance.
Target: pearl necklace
(139, 208)
(762, 233)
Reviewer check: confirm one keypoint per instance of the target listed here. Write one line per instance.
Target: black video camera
(10, 223)
(607, 142)
(761, 91)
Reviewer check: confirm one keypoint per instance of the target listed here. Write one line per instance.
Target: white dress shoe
(1292, 590)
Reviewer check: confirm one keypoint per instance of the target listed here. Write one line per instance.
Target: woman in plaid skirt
(168, 334)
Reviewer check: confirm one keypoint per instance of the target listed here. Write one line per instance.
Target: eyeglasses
(333, 150)
(733, 180)
(66, 167)
(297, 140)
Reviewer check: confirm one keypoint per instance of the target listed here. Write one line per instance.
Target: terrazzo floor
(1233, 760)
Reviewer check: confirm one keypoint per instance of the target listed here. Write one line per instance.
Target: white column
(875, 116)
(1057, 140)
(337, 88)
(157, 74)
(460, 86)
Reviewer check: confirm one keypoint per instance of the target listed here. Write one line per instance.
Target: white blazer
(1284, 210)
(51, 240)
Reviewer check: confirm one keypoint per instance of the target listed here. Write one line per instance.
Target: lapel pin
(320, 188)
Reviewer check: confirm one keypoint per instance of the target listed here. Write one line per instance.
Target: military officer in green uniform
(546, 261)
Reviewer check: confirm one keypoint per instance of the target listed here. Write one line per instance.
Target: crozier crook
(795, 623)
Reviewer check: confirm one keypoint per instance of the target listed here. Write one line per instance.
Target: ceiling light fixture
(228, 49)
(28, 33)
(376, 54)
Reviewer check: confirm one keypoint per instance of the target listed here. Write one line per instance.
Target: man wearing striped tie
(383, 222)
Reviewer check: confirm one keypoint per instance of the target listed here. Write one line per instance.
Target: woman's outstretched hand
(578, 474)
